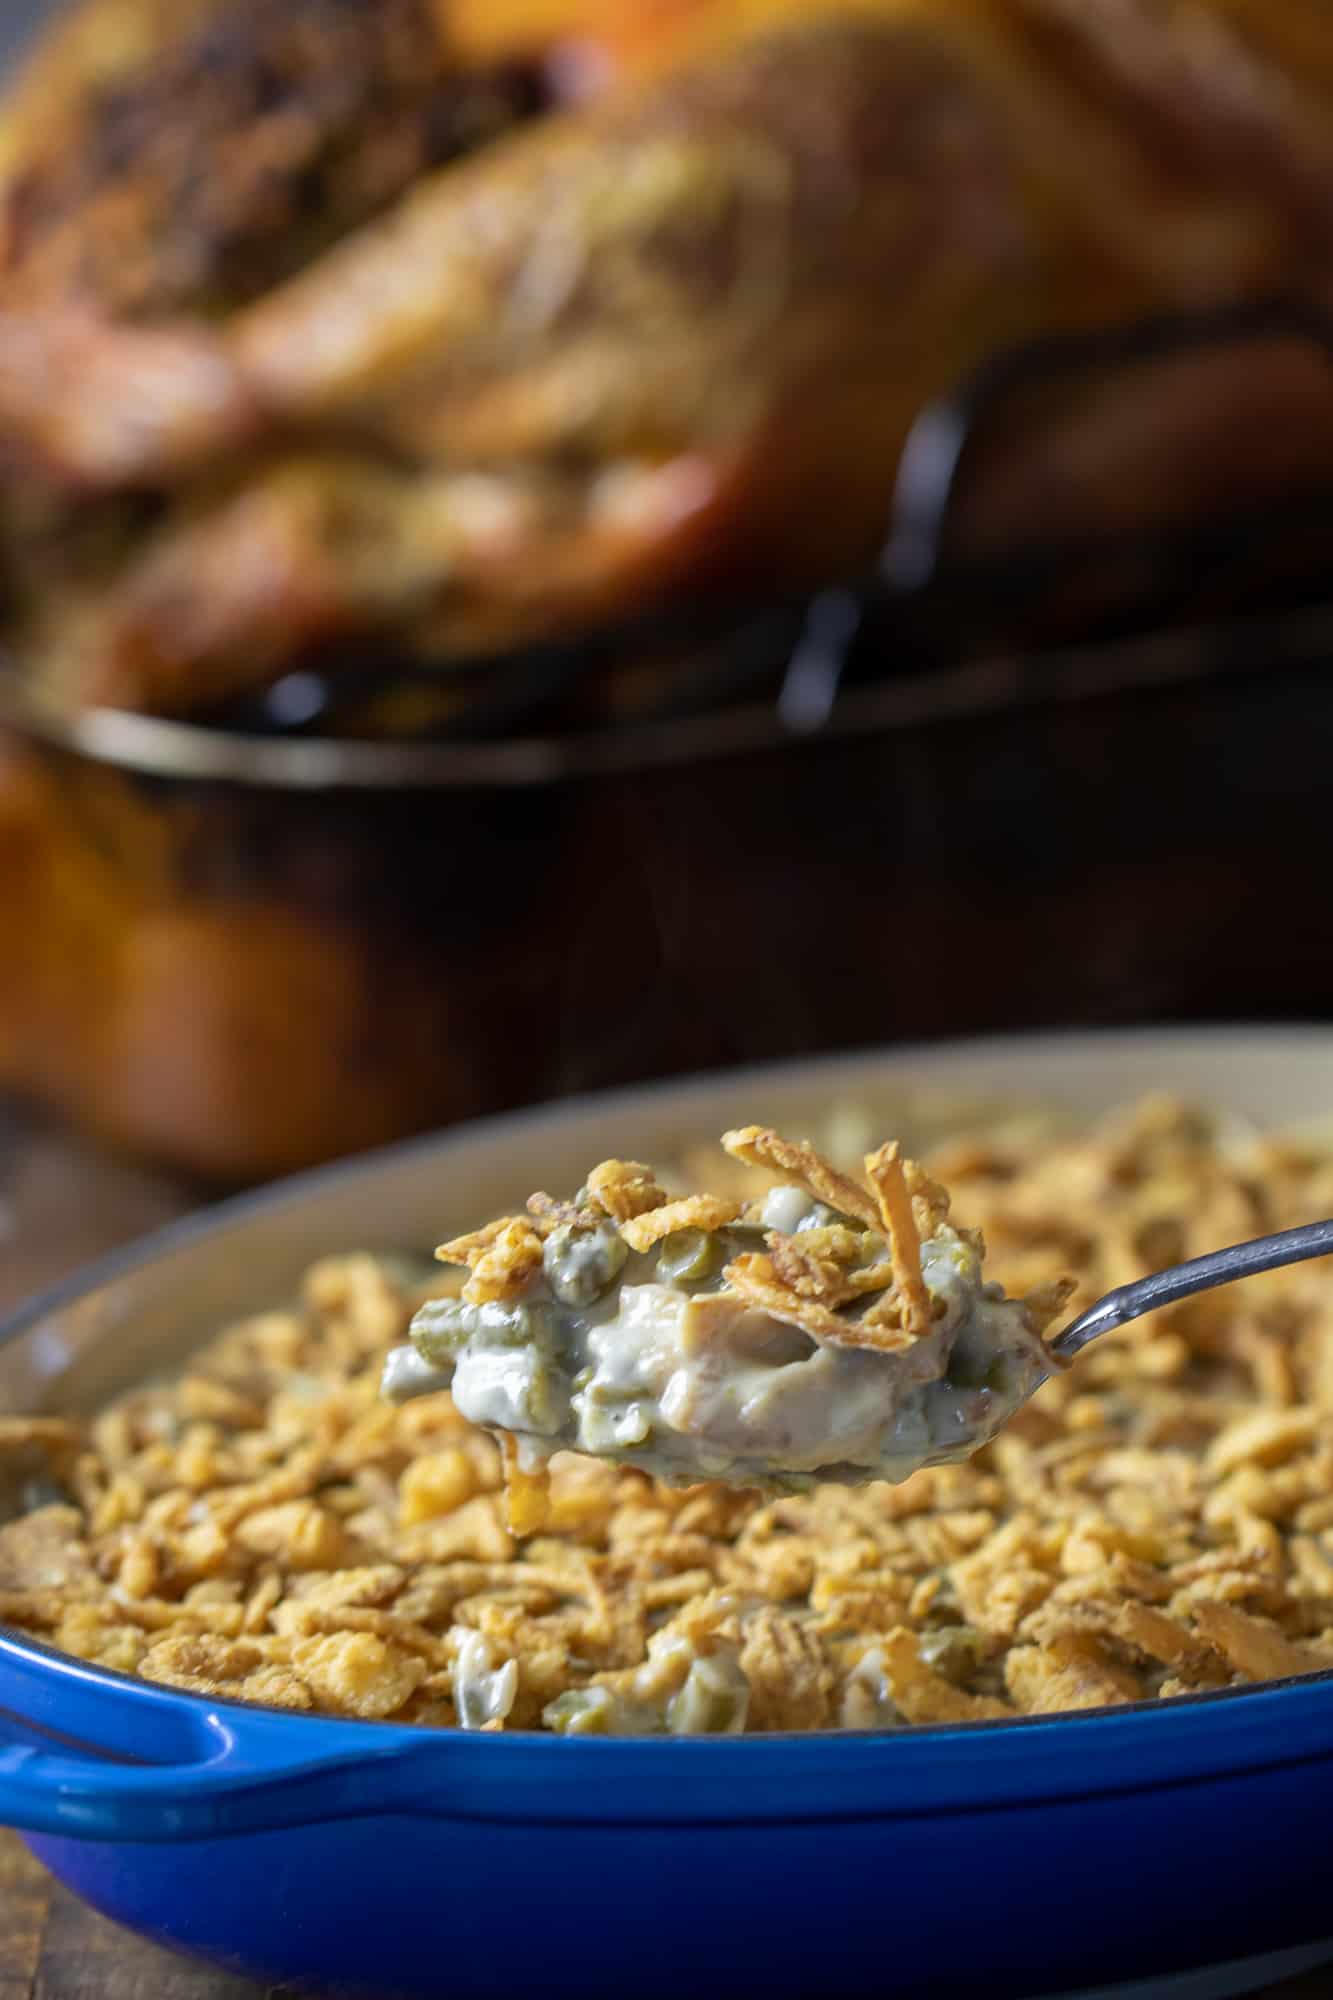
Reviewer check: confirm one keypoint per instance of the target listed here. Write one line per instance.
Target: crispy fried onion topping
(854, 1281)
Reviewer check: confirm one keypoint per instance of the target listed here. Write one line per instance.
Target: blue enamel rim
(235, 1769)
(131, 1760)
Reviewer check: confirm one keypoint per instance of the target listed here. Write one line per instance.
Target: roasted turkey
(402, 328)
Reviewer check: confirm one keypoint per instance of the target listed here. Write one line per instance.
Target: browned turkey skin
(246, 149)
(669, 341)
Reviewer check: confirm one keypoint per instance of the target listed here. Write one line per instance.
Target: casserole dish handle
(240, 1774)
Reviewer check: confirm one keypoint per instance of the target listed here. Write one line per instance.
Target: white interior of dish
(141, 1316)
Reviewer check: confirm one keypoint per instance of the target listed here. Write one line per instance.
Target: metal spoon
(1200, 1274)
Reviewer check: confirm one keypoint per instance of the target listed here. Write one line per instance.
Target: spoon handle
(1219, 1267)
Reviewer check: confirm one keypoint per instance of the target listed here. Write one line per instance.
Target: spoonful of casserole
(826, 1329)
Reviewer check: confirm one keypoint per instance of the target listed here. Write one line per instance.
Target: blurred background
(20, 20)
(575, 640)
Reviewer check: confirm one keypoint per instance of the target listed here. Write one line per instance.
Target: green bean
(688, 1256)
(954, 1651)
(582, 1264)
(440, 1330)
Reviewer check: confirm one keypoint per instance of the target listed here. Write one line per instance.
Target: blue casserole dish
(1041, 1856)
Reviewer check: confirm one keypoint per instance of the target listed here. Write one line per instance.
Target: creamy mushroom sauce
(649, 1360)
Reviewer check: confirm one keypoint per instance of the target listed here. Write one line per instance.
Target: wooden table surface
(60, 1204)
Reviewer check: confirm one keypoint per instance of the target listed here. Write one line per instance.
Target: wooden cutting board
(60, 1204)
